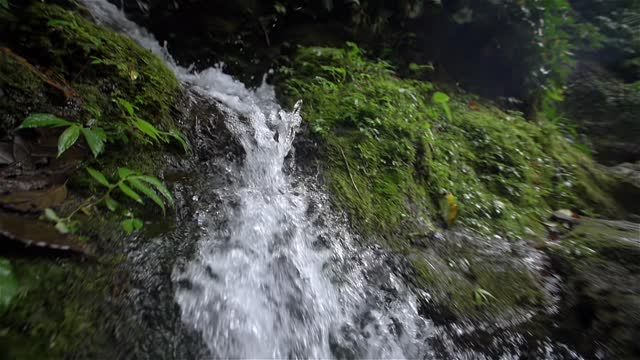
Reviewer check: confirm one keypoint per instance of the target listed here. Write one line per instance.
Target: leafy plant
(442, 99)
(63, 225)
(130, 184)
(128, 70)
(146, 131)
(94, 136)
(87, 41)
(8, 284)
(482, 296)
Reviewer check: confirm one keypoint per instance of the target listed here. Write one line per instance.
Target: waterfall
(284, 277)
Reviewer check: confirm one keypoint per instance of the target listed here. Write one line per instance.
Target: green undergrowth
(54, 60)
(390, 152)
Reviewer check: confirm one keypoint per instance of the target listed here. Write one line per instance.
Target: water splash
(284, 277)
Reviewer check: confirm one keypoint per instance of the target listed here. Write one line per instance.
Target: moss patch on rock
(390, 152)
(598, 261)
(59, 51)
(55, 60)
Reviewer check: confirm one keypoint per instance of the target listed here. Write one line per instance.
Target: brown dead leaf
(32, 232)
(29, 201)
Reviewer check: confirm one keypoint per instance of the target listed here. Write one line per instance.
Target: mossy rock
(472, 277)
(390, 152)
(598, 261)
(55, 60)
(58, 51)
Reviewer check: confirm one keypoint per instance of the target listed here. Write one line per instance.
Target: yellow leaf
(449, 208)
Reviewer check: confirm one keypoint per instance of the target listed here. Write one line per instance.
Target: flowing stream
(284, 277)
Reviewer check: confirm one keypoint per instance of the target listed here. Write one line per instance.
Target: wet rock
(598, 263)
(627, 188)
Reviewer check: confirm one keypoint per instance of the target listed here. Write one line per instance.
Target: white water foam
(261, 287)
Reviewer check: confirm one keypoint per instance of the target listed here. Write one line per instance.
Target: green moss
(595, 240)
(510, 287)
(390, 152)
(96, 64)
(58, 310)
(63, 309)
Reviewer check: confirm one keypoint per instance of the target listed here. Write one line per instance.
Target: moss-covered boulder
(391, 148)
(598, 262)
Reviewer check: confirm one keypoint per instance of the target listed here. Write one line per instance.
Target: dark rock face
(146, 322)
(606, 110)
(600, 312)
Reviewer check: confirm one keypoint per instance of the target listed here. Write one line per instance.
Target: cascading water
(269, 284)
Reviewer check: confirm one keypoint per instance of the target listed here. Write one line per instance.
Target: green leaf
(127, 225)
(129, 192)
(181, 139)
(43, 120)
(158, 185)
(8, 284)
(68, 138)
(61, 23)
(137, 224)
(51, 215)
(98, 176)
(111, 204)
(147, 128)
(95, 140)
(4, 4)
(130, 109)
(147, 191)
(124, 172)
(440, 98)
(62, 227)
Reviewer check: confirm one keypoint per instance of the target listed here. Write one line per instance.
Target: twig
(65, 88)
(349, 170)
(266, 34)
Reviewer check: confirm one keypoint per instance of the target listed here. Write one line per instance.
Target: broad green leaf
(147, 128)
(95, 140)
(127, 225)
(440, 98)
(98, 176)
(8, 284)
(4, 4)
(137, 184)
(43, 120)
(111, 204)
(158, 185)
(129, 192)
(51, 215)
(68, 138)
(125, 172)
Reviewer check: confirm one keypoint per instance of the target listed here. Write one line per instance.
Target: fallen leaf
(39, 200)
(32, 232)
